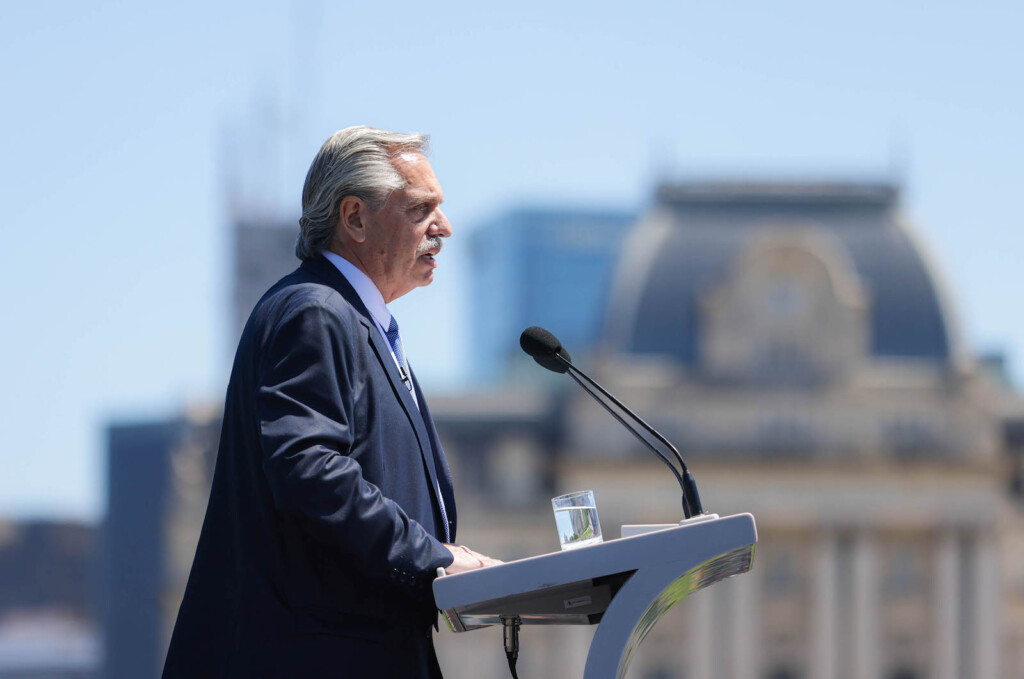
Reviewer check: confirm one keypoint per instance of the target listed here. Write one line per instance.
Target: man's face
(405, 235)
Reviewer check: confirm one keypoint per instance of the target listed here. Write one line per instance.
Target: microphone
(545, 349)
(548, 352)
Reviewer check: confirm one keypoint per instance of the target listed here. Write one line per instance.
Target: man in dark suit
(332, 505)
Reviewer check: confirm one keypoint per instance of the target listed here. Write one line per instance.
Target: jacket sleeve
(305, 412)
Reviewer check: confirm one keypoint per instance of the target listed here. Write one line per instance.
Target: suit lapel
(443, 471)
(326, 271)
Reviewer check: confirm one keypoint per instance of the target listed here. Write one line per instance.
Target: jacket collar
(364, 286)
(320, 268)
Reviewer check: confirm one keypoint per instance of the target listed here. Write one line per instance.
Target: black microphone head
(545, 349)
(539, 342)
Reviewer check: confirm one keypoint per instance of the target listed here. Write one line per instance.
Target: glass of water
(576, 519)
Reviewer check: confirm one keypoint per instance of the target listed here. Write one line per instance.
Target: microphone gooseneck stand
(547, 351)
(688, 485)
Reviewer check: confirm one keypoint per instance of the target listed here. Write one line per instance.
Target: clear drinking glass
(576, 519)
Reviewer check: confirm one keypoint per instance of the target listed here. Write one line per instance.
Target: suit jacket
(323, 530)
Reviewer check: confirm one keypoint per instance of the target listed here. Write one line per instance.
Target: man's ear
(352, 215)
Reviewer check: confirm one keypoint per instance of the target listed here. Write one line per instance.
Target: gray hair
(356, 162)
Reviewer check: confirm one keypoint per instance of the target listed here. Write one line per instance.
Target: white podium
(624, 586)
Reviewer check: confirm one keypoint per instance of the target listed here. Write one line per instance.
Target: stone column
(946, 602)
(866, 618)
(744, 627)
(702, 634)
(985, 603)
(824, 591)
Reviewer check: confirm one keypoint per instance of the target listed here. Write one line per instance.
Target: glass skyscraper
(546, 267)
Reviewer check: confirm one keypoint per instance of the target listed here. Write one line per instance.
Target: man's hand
(467, 560)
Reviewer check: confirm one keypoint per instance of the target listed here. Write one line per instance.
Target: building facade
(263, 252)
(796, 342)
(48, 617)
(158, 483)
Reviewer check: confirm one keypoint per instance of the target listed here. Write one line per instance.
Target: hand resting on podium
(467, 560)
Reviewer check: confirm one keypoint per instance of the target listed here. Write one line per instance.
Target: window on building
(663, 672)
(782, 673)
(783, 435)
(782, 576)
(904, 673)
(912, 436)
(516, 468)
(903, 573)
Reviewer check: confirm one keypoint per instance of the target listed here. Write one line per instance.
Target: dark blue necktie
(395, 340)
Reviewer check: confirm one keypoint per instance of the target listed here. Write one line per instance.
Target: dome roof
(697, 231)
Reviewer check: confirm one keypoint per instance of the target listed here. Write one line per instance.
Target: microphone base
(629, 530)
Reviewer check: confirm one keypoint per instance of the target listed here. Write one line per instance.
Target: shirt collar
(364, 287)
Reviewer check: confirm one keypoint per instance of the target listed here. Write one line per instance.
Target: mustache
(430, 243)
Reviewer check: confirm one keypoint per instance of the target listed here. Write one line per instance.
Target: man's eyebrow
(419, 197)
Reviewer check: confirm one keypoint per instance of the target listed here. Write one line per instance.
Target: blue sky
(118, 117)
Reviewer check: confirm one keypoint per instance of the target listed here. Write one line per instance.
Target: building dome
(741, 261)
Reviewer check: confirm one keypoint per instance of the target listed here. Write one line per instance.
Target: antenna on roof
(303, 100)
(899, 153)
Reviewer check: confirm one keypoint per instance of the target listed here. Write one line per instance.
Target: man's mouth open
(429, 249)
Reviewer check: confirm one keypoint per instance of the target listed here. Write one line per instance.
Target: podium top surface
(691, 544)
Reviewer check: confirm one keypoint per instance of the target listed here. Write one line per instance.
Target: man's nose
(442, 227)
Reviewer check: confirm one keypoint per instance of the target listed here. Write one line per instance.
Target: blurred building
(263, 251)
(546, 267)
(158, 484)
(794, 339)
(48, 621)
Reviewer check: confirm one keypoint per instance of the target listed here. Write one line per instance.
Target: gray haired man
(332, 503)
